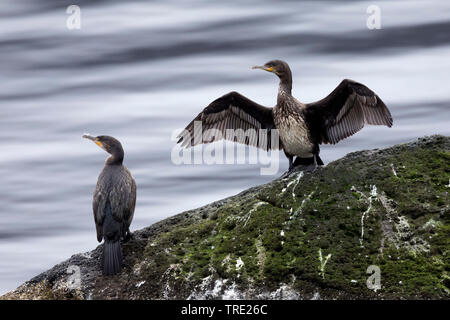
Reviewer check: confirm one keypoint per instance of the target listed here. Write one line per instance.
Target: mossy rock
(306, 236)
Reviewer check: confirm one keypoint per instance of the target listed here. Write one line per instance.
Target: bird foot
(127, 237)
(290, 171)
(311, 168)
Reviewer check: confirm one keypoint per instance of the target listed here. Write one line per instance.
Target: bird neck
(285, 86)
(284, 91)
(116, 157)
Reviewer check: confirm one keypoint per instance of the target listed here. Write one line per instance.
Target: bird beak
(269, 69)
(88, 136)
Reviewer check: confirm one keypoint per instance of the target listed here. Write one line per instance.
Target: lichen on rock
(388, 208)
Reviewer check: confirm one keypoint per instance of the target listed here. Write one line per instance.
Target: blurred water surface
(138, 70)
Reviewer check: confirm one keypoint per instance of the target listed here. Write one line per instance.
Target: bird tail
(112, 258)
(112, 253)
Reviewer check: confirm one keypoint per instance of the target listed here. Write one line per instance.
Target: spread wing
(250, 123)
(345, 111)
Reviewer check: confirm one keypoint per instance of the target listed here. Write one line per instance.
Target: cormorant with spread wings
(301, 127)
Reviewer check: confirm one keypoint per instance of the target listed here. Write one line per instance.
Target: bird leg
(312, 167)
(128, 236)
(291, 166)
(291, 160)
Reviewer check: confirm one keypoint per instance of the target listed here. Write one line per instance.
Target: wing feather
(248, 119)
(345, 111)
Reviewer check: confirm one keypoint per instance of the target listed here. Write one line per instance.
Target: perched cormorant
(113, 204)
(301, 127)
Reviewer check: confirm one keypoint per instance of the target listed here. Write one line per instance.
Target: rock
(307, 236)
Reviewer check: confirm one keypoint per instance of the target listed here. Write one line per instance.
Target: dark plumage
(113, 204)
(301, 127)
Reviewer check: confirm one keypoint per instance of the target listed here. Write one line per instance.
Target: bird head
(279, 67)
(107, 143)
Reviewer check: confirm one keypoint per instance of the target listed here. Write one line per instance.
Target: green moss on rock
(388, 208)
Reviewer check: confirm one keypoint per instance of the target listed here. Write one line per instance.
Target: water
(139, 70)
